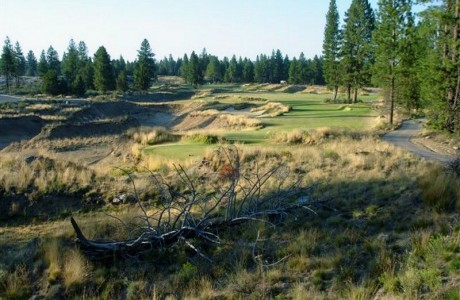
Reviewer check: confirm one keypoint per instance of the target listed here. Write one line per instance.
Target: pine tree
(85, 66)
(331, 49)
(356, 49)
(103, 72)
(261, 69)
(232, 74)
(145, 70)
(213, 70)
(31, 65)
(394, 68)
(42, 67)
(52, 57)
(248, 71)
(194, 73)
(122, 82)
(7, 62)
(293, 75)
(70, 63)
(184, 68)
(50, 83)
(20, 63)
(277, 67)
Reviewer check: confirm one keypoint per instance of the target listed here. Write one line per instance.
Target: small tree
(122, 82)
(145, 70)
(103, 72)
(42, 67)
(7, 62)
(193, 70)
(50, 84)
(31, 64)
(20, 63)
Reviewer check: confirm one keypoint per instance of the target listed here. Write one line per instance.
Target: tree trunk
(349, 93)
(392, 98)
(355, 96)
(336, 90)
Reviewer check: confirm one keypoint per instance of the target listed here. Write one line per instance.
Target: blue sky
(242, 27)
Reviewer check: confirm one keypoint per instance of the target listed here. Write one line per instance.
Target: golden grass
(76, 269)
(44, 175)
(272, 109)
(152, 136)
(440, 189)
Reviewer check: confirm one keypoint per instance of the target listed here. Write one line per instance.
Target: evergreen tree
(122, 82)
(52, 58)
(331, 49)
(119, 65)
(248, 71)
(356, 50)
(261, 69)
(232, 74)
(42, 67)
(20, 63)
(302, 69)
(194, 73)
(31, 65)
(277, 67)
(293, 74)
(144, 71)
(213, 70)
(286, 65)
(184, 68)
(50, 83)
(103, 71)
(394, 69)
(85, 66)
(71, 63)
(7, 62)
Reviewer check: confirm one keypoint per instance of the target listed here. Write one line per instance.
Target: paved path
(402, 138)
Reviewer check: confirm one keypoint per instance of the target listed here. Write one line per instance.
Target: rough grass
(152, 136)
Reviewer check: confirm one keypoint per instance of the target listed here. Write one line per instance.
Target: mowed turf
(308, 111)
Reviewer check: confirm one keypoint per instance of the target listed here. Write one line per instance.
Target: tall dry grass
(152, 136)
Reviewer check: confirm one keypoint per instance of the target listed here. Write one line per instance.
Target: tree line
(78, 73)
(414, 59)
(198, 69)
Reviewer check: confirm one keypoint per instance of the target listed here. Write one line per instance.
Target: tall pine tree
(144, 71)
(103, 73)
(356, 50)
(331, 48)
(31, 66)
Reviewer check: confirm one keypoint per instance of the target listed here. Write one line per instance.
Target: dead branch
(208, 205)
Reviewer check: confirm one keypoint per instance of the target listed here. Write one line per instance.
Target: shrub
(207, 139)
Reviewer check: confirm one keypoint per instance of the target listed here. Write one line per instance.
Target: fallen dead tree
(203, 203)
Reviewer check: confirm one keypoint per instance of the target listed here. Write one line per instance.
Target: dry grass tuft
(76, 269)
(440, 189)
(272, 109)
(152, 136)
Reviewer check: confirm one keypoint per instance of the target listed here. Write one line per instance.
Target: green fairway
(308, 111)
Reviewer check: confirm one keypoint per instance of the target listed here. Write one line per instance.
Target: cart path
(402, 138)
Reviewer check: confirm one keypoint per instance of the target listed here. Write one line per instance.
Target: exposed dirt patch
(17, 129)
